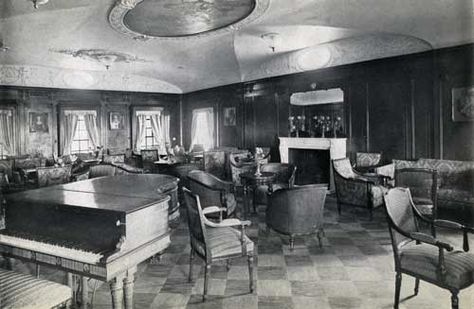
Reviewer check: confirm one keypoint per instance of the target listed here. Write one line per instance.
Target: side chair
(423, 256)
(216, 241)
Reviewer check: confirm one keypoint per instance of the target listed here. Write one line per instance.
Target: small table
(252, 181)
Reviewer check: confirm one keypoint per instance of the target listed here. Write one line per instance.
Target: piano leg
(85, 292)
(116, 290)
(128, 284)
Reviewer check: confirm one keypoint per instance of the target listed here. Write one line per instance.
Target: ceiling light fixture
(272, 39)
(37, 3)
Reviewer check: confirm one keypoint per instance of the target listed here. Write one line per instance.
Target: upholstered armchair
(367, 161)
(297, 211)
(423, 256)
(240, 162)
(214, 163)
(48, 176)
(101, 170)
(353, 188)
(212, 191)
(285, 178)
(213, 241)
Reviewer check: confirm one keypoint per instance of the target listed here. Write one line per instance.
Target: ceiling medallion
(177, 20)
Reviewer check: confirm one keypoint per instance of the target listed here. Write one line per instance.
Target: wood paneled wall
(400, 106)
(54, 101)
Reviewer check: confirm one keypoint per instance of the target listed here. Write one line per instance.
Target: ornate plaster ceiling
(94, 44)
(180, 18)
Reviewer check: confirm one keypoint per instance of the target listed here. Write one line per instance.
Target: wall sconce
(272, 39)
(37, 3)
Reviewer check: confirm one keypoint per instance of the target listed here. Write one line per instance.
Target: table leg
(245, 201)
(128, 284)
(116, 291)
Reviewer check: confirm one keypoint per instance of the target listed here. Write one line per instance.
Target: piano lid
(136, 185)
(117, 193)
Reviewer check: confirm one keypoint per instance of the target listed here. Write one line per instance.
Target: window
(151, 130)
(7, 133)
(81, 142)
(202, 128)
(3, 152)
(149, 141)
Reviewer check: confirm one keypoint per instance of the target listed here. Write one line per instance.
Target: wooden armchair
(216, 241)
(212, 191)
(423, 256)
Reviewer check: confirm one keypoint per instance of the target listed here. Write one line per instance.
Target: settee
(455, 186)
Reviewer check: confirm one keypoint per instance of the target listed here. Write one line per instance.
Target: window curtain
(7, 137)
(166, 128)
(158, 132)
(70, 126)
(140, 132)
(202, 128)
(90, 120)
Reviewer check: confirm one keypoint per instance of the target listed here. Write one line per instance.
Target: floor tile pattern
(353, 269)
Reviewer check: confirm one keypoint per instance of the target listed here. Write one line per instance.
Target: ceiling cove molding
(122, 7)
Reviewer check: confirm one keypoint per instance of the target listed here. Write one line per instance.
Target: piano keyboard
(54, 250)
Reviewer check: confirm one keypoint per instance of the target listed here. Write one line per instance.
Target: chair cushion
(377, 193)
(423, 260)
(25, 291)
(225, 241)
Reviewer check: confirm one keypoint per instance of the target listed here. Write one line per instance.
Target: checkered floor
(354, 269)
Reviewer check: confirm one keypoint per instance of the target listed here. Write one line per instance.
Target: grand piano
(99, 228)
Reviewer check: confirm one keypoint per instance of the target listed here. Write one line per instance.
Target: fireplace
(336, 147)
(312, 165)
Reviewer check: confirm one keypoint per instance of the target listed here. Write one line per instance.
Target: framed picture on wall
(229, 116)
(116, 121)
(38, 122)
(463, 103)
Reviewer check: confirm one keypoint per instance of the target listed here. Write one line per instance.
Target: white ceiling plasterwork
(78, 43)
(122, 7)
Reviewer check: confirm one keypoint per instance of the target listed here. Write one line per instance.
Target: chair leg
(454, 300)
(417, 286)
(207, 273)
(227, 266)
(398, 284)
(371, 214)
(320, 237)
(292, 242)
(38, 270)
(191, 259)
(339, 208)
(250, 262)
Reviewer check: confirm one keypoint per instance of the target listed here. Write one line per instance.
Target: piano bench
(19, 290)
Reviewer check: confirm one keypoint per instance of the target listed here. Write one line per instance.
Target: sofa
(455, 186)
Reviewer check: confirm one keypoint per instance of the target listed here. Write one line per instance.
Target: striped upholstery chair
(423, 256)
(25, 291)
(216, 241)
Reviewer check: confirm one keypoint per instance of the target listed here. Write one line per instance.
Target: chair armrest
(228, 223)
(456, 226)
(213, 209)
(428, 239)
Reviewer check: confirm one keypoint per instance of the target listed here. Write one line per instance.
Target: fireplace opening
(312, 165)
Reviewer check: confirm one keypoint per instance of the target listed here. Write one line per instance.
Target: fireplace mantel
(336, 147)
